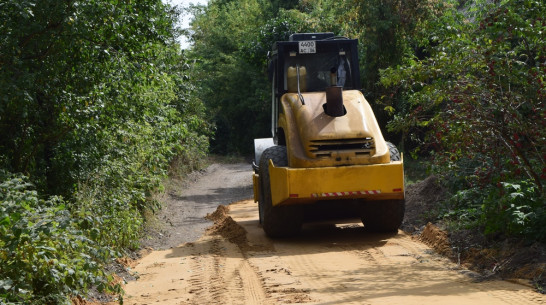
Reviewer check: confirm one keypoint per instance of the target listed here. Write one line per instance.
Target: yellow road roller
(327, 158)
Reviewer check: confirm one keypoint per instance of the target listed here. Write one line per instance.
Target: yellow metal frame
(300, 185)
(256, 186)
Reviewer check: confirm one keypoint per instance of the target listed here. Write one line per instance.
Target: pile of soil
(437, 239)
(229, 229)
(226, 227)
(422, 202)
(218, 215)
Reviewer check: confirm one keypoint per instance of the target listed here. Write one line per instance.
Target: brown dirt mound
(437, 239)
(230, 230)
(422, 199)
(226, 227)
(79, 301)
(127, 262)
(218, 215)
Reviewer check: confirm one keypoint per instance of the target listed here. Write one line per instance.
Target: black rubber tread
(383, 216)
(395, 154)
(279, 221)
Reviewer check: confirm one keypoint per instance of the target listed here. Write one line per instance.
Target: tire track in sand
(207, 284)
(252, 284)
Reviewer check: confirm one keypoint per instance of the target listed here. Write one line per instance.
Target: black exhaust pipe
(334, 97)
(334, 101)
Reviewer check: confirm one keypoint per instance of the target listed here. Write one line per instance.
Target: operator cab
(317, 56)
(311, 62)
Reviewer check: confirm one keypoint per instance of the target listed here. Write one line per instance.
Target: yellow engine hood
(317, 139)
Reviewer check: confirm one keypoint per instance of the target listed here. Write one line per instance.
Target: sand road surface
(235, 263)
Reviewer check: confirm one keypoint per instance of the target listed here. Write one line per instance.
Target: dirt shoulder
(492, 258)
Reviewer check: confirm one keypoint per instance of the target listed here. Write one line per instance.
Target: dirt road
(234, 263)
(186, 204)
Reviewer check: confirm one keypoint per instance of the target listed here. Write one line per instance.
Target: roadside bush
(516, 209)
(94, 106)
(507, 209)
(44, 255)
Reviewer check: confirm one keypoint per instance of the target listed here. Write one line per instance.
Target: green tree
(232, 52)
(479, 98)
(230, 45)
